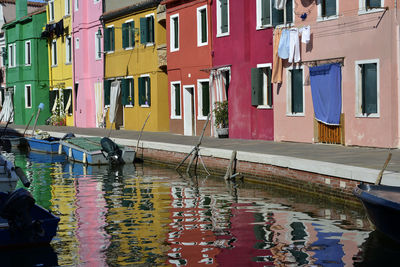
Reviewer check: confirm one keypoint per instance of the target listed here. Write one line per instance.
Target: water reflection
(35, 256)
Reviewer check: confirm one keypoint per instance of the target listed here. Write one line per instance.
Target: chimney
(21, 8)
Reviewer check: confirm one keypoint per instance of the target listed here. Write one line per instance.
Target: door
(188, 110)
(331, 134)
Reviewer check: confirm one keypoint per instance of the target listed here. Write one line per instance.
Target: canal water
(145, 215)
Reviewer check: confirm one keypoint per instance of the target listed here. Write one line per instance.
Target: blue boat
(22, 222)
(382, 204)
(48, 145)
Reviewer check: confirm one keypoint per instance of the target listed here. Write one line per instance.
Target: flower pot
(223, 132)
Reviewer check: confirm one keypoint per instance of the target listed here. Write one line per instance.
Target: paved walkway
(340, 160)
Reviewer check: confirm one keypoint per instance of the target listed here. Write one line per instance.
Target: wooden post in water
(379, 178)
(140, 135)
(40, 107)
(231, 167)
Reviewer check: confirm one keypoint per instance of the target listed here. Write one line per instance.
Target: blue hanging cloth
(326, 90)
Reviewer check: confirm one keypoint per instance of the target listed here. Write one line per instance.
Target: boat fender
(20, 173)
(113, 152)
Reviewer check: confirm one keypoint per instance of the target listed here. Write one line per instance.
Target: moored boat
(47, 145)
(9, 175)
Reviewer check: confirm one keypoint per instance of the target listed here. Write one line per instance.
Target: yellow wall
(138, 61)
(61, 75)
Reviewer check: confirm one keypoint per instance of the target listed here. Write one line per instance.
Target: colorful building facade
(88, 63)
(27, 69)
(242, 43)
(359, 39)
(134, 45)
(189, 64)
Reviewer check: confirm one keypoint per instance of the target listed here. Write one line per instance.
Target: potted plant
(221, 118)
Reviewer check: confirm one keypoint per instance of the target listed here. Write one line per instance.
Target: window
(54, 53)
(147, 29)
(28, 53)
(144, 91)
(268, 15)
(107, 87)
(76, 5)
(128, 34)
(176, 100)
(51, 10)
(97, 46)
(67, 7)
(203, 91)
(77, 43)
(367, 79)
(174, 32)
(28, 96)
(68, 50)
(127, 92)
(295, 92)
(67, 100)
(261, 87)
(370, 5)
(12, 56)
(327, 9)
(222, 17)
(202, 29)
(263, 13)
(109, 41)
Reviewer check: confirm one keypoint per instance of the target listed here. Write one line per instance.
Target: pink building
(88, 63)
(359, 40)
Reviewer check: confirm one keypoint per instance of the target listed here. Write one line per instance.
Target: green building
(27, 71)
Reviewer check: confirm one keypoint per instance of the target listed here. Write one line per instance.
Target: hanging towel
(294, 46)
(305, 34)
(326, 90)
(280, 4)
(277, 61)
(283, 49)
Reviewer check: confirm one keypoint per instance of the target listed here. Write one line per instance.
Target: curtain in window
(98, 96)
(7, 111)
(218, 91)
(114, 94)
(326, 90)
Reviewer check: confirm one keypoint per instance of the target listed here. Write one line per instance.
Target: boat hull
(382, 204)
(42, 145)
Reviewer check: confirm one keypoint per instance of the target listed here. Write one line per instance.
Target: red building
(189, 60)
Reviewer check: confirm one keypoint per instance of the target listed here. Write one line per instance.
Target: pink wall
(353, 37)
(244, 48)
(87, 70)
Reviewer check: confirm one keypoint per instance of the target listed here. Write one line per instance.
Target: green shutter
(112, 39)
(297, 90)
(124, 92)
(125, 35)
(5, 56)
(176, 32)
(107, 39)
(203, 14)
(289, 11)
(150, 20)
(265, 12)
(269, 86)
(330, 8)
(132, 33)
(369, 87)
(256, 86)
(143, 31)
(177, 89)
(148, 91)
(142, 91)
(277, 16)
(224, 16)
(107, 86)
(205, 98)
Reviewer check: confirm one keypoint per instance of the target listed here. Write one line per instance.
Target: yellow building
(60, 45)
(135, 55)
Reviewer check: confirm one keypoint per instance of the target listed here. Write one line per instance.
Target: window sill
(128, 106)
(222, 34)
(174, 50)
(66, 16)
(263, 27)
(128, 48)
(176, 117)
(285, 25)
(144, 106)
(295, 115)
(201, 118)
(370, 11)
(321, 19)
(149, 44)
(27, 65)
(54, 66)
(202, 44)
(375, 115)
(264, 107)
(98, 58)
(68, 63)
(110, 52)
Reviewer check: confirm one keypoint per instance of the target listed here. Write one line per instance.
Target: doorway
(188, 110)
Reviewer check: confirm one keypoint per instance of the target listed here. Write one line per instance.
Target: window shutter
(107, 39)
(297, 90)
(269, 87)
(142, 91)
(176, 32)
(256, 86)
(177, 99)
(203, 25)
(125, 35)
(330, 8)
(265, 12)
(5, 56)
(148, 91)
(143, 31)
(124, 92)
(289, 11)
(107, 86)
(224, 16)
(206, 98)
(132, 34)
(150, 20)
(277, 16)
(369, 86)
(132, 88)
(112, 39)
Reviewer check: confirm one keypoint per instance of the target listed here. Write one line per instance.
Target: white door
(188, 110)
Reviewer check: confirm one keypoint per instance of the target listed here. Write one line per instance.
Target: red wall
(243, 49)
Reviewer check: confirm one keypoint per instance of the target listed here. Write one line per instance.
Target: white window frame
(28, 53)
(129, 36)
(320, 18)
(51, 10)
(77, 43)
(12, 55)
(173, 115)
(26, 95)
(97, 46)
(68, 50)
(199, 28)
(133, 81)
(173, 33)
(111, 51)
(259, 14)
(289, 112)
(146, 75)
(76, 5)
(200, 98)
(154, 29)
(219, 18)
(265, 89)
(362, 8)
(54, 55)
(67, 7)
(358, 81)
(96, 1)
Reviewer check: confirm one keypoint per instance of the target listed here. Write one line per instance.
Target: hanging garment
(294, 46)
(326, 91)
(59, 28)
(283, 49)
(305, 34)
(114, 94)
(277, 61)
(280, 4)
